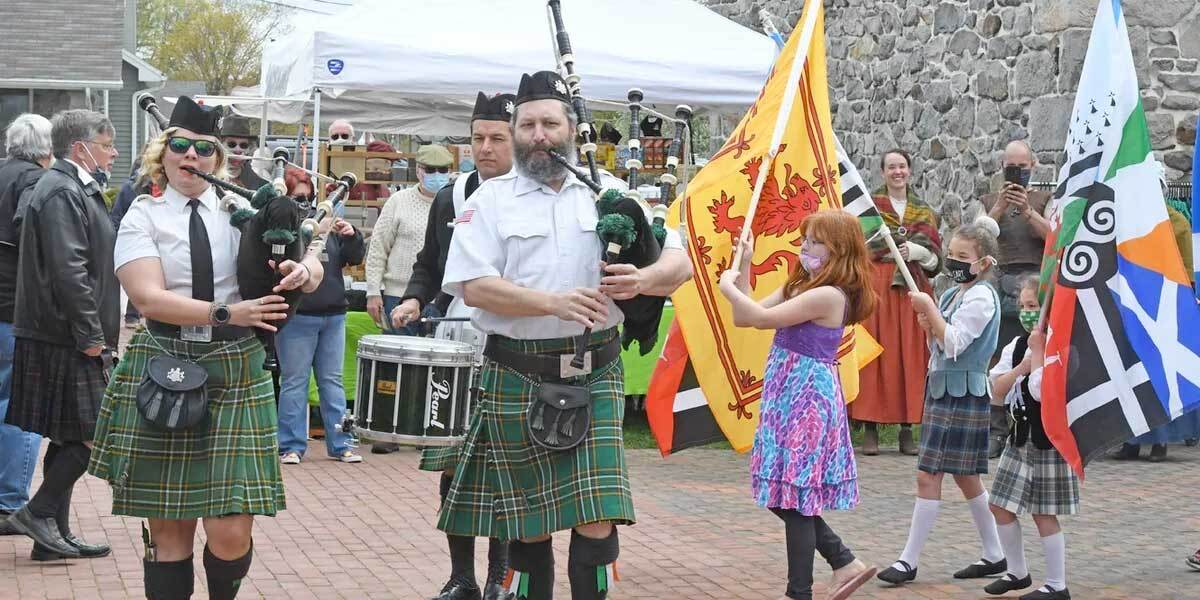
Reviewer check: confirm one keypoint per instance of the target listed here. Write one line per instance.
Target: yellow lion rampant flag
(802, 179)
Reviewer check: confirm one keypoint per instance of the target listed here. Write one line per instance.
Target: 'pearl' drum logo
(437, 393)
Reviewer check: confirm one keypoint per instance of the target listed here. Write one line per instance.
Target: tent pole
(262, 127)
(316, 136)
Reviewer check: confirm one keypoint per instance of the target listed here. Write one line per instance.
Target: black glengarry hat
(497, 108)
(543, 85)
(204, 120)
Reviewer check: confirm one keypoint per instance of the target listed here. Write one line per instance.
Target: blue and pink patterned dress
(802, 458)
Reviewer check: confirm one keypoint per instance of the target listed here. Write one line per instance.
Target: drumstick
(444, 319)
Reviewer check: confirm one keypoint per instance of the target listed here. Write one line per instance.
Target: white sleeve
(1035, 384)
(674, 240)
(969, 321)
(1005, 363)
(380, 246)
(475, 248)
(921, 255)
(136, 238)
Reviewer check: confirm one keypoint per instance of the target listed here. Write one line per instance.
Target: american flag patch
(465, 217)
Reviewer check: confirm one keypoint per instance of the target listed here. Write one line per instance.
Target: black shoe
(1127, 452)
(1158, 453)
(493, 588)
(987, 569)
(5, 528)
(895, 576)
(496, 591)
(43, 531)
(1191, 442)
(1007, 584)
(1053, 594)
(87, 550)
(384, 448)
(459, 589)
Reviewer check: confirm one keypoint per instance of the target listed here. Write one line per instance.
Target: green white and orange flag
(802, 178)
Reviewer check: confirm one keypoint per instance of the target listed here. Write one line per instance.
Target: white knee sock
(924, 514)
(1014, 549)
(985, 523)
(1056, 560)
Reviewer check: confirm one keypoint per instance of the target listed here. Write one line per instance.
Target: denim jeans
(306, 345)
(413, 329)
(18, 449)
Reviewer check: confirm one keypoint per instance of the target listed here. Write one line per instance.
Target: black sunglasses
(232, 145)
(180, 145)
(340, 136)
(429, 169)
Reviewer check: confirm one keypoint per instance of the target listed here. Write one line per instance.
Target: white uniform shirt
(975, 310)
(516, 228)
(158, 227)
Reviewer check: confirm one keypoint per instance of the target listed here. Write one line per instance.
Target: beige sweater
(395, 240)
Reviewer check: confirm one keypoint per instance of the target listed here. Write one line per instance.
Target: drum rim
(453, 353)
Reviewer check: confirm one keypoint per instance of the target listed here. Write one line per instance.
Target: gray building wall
(62, 39)
(953, 81)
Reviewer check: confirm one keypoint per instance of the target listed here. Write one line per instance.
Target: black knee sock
(65, 468)
(586, 558)
(534, 566)
(444, 486)
(830, 546)
(169, 580)
(462, 548)
(800, 534)
(225, 576)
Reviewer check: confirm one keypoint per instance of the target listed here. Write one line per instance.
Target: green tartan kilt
(439, 458)
(506, 487)
(229, 464)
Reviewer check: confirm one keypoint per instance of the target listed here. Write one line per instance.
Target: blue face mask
(435, 181)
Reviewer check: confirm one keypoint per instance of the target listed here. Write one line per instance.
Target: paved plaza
(366, 531)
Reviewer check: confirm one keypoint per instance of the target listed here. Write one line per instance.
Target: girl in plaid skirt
(1032, 477)
(962, 329)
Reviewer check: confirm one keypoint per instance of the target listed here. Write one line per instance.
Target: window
(12, 104)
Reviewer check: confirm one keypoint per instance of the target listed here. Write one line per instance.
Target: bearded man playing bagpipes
(544, 451)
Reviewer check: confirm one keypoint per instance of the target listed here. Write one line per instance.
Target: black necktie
(202, 266)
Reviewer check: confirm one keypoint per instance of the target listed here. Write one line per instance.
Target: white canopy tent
(382, 66)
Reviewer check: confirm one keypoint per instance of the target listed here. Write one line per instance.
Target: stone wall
(953, 81)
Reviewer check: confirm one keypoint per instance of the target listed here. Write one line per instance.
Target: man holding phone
(1020, 212)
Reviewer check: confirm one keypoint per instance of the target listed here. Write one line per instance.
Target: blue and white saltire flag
(1123, 353)
(1196, 205)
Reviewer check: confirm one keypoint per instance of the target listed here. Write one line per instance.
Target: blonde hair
(152, 154)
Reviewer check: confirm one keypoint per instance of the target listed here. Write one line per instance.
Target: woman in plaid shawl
(176, 257)
(892, 387)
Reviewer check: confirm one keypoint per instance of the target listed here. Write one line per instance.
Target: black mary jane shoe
(987, 569)
(1007, 584)
(459, 589)
(1053, 594)
(895, 576)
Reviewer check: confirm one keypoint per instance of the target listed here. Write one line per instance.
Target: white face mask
(100, 175)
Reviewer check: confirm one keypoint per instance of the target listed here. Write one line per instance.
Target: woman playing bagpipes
(187, 427)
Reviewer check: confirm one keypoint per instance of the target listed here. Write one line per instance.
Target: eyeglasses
(429, 169)
(232, 145)
(180, 145)
(339, 136)
(109, 147)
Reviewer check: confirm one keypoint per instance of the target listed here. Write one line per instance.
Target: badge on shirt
(196, 333)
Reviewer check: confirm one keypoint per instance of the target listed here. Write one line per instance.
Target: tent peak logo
(335, 65)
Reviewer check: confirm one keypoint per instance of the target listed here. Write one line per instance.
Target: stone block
(935, 48)
(937, 151)
(928, 125)
(990, 26)
(1187, 65)
(1005, 46)
(1022, 23)
(1157, 13)
(1150, 102)
(1163, 36)
(1163, 64)
(1049, 117)
(960, 120)
(948, 17)
(992, 81)
(1070, 59)
(1036, 42)
(1164, 52)
(1053, 16)
(1162, 130)
(987, 117)
(1011, 110)
(1181, 82)
(911, 16)
(1189, 38)
(1035, 74)
(1180, 160)
(941, 95)
(964, 40)
(1185, 134)
(960, 83)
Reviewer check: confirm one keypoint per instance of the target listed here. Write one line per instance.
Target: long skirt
(892, 387)
(506, 487)
(228, 464)
(56, 391)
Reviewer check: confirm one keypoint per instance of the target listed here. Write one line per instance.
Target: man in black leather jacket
(66, 323)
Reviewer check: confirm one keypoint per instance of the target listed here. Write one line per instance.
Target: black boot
(1127, 452)
(461, 585)
(493, 589)
(225, 576)
(533, 566)
(586, 560)
(173, 580)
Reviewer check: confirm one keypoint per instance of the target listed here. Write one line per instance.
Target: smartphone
(1017, 175)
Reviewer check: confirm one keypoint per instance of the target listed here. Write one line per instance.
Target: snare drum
(413, 391)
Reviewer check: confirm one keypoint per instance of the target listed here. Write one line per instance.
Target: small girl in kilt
(1032, 476)
(176, 256)
(802, 462)
(962, 328)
